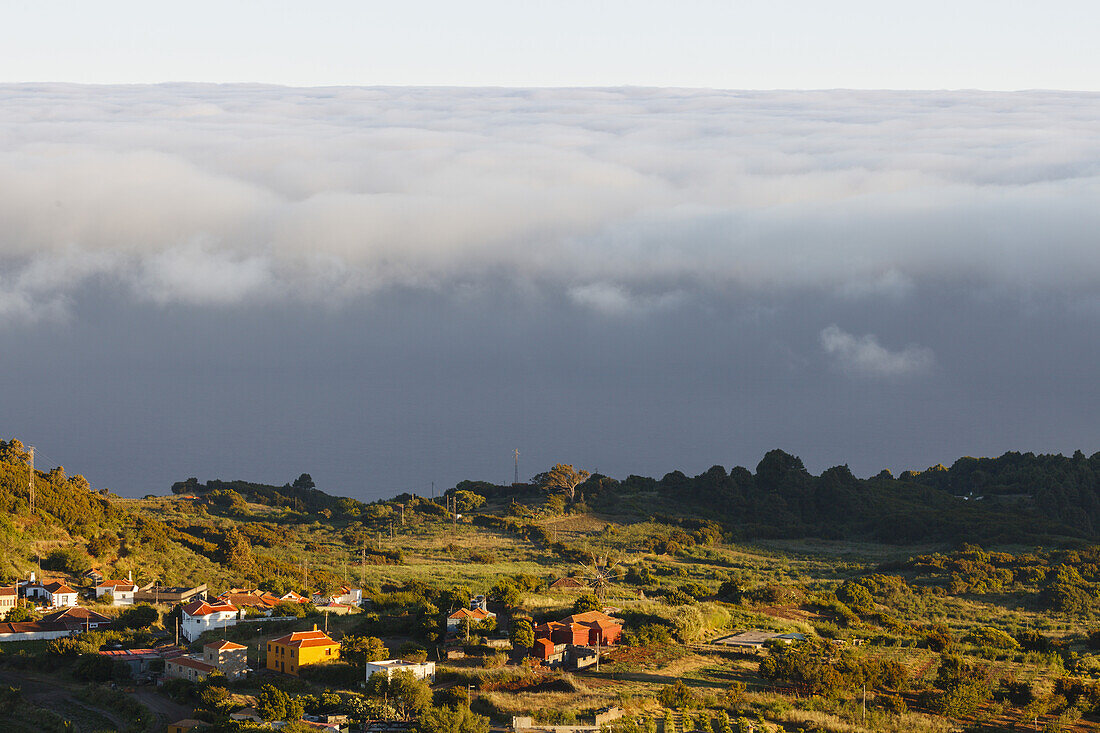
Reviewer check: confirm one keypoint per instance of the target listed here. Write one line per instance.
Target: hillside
(295, 535)
(936, 634)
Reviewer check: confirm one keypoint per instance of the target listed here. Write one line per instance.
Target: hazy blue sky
(759, 44)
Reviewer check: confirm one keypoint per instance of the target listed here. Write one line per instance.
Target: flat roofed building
(419, 670)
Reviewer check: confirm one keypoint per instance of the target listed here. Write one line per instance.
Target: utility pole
(30, 476)
(516, 454)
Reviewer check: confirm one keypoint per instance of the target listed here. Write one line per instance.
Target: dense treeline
(1015, 498)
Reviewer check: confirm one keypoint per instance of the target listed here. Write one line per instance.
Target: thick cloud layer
(622, 198)
(875, 250)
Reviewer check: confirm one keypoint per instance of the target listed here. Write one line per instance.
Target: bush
(678, 695)
(495, 660)
(647, 634)
(587, 602)
(991, 636)
(140, 616)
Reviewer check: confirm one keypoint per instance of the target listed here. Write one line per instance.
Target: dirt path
(164, 708)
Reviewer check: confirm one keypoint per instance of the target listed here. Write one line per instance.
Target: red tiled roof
(222, 646)
(568, 583)
(8, 590)
(477, 614)
(76, 613)
(202, 608)
(30, 627)
(248, 599)
(193, 664)
(589, 617)
(302, 639)
(56, 587)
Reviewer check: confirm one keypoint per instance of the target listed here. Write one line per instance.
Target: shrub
(991, 636)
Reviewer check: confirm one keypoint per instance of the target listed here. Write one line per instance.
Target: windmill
(600, 574)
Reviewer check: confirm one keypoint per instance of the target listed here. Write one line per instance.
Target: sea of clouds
(624, 201)
(415, 281)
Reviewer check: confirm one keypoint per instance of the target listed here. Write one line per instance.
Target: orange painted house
(299, 649)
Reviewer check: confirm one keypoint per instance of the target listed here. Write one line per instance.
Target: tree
(564, 478)
(70, 559)
(408, 695)
(467, 500)
(522, 633)
(13, 451)
(305, 481)
(586, 602)
(139, 617)
(103, 544)
(274, 704)
(855, 597)
(20, 613)
(217, 698)
(506, 592)
(964, 687)
(360, 649)
(93, 668)
(235, 552)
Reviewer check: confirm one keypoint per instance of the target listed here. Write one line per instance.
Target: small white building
(54, 594)
(345, 595)
(122, 591)
(199, 617)
(420, 670)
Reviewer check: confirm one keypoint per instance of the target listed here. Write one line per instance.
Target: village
(194, 644)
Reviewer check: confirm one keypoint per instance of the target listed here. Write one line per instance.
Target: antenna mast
(30, 476)
(516, 454)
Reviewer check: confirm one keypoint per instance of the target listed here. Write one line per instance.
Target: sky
(724, 44)
(418, 242)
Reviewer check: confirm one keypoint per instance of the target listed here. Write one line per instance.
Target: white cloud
(220, 194)
(866, 356)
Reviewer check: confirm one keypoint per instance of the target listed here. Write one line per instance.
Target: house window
(328, 651)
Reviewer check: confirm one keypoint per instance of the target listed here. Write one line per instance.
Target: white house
(201, 616)
(420, 670)
(121, 590)
(32, 631)
(54, 594)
